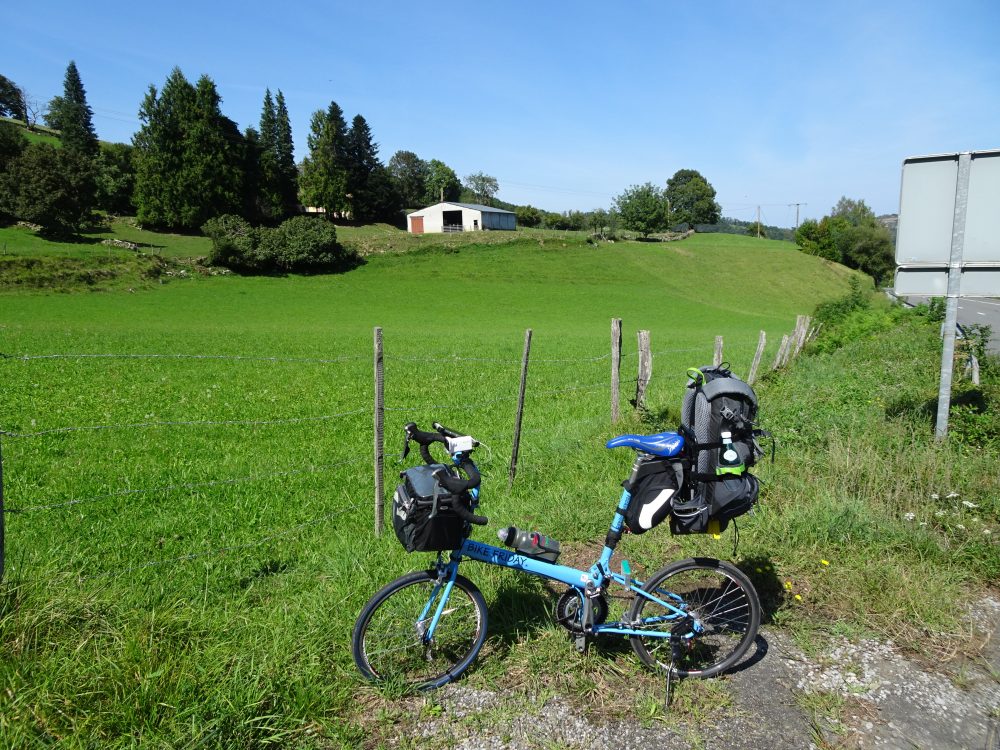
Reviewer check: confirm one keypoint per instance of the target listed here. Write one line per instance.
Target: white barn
(459, 217)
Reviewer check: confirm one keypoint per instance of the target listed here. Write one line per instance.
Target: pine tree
(324, 174)
(373, 195)
(71, 114)
(278, 189)
(189, 157)
(284, 150)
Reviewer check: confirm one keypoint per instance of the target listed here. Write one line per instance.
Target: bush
(303, 244)
(234, 243)
(300, 244)
(857, 315)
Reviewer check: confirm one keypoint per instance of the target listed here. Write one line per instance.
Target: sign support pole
(954, 291)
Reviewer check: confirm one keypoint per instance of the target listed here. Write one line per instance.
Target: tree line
(852, 236)
(189, 165)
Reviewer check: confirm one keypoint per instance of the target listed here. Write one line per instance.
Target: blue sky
(567, 104)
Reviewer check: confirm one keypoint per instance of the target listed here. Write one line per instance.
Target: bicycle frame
(583, 582)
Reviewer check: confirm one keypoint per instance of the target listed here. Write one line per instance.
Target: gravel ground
(873, 697)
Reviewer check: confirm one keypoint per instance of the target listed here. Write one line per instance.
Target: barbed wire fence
(643, 355)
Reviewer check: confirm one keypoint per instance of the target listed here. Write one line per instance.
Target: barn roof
(472, 206)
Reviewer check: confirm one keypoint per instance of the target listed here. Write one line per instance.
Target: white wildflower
(951, 495)
(923, 523)
(987, 531)
(938, 513)
(960, 526)
(910, 516)
(967, 504)
(935, 496)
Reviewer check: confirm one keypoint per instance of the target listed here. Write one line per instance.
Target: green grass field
(196, 529)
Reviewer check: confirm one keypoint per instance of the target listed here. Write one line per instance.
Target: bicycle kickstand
(669, 694)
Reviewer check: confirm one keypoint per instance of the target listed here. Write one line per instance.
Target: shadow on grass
(761, 572)
(521, 606)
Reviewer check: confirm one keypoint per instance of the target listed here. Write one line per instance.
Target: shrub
(303, 244)
(234, 243)
(300, 244)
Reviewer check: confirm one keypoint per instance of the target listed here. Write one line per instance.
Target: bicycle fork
(440, 593)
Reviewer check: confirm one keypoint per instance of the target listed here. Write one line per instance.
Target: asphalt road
(973, 310)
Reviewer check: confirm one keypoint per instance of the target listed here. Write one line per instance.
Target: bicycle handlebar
(453, 484)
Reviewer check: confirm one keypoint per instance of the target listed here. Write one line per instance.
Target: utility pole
(797, 211)
(758, 222)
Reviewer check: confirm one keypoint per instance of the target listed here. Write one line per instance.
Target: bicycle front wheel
(391, 641)
(713, 594)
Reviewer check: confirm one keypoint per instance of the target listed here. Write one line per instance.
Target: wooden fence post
(779, 359)
(520, 409)
(761, 342)
(616, 366)
(2, 513)
(717, 357)
(801, 331)
(379, 436)
(645, 369)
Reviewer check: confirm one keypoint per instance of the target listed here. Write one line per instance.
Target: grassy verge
(872, 526)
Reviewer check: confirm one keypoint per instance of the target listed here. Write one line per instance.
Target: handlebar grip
(447, 432)
(467, 515)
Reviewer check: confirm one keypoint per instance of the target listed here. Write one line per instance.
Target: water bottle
(729, 457)
(531, 543)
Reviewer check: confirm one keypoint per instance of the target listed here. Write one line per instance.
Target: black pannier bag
(423, 515)
(731, 497)
(653, 494)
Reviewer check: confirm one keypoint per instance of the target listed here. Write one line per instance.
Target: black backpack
(717, 402)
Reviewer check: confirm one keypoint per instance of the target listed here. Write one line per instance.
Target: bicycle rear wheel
(390, 642)
(713, 593)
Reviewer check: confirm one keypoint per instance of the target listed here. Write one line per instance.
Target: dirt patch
(850, 695)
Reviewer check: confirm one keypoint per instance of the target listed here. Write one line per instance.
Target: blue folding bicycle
(695, 617)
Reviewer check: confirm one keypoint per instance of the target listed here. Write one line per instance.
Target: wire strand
(194, 423)
(184, 486)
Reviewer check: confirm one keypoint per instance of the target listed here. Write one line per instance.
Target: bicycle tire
(387, 643)
(719, 595)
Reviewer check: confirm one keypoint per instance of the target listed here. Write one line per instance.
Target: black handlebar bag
(423, 514)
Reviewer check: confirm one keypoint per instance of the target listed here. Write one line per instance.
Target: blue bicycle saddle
(661, 444)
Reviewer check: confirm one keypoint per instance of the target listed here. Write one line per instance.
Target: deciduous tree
(642, 209)
(11, 102)
(692, 199)
(115, 178)
(409, 173)
(482, 186)
(442, 183)
(50, 187)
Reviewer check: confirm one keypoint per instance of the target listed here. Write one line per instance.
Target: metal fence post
(520, 408)
(954, 291)
(379, 434)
